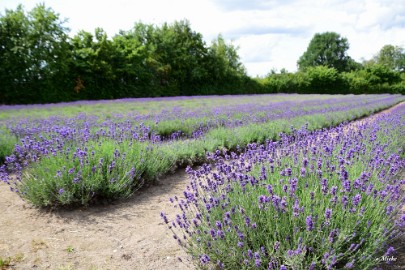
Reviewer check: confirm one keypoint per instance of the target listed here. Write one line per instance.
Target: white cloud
(270, 34)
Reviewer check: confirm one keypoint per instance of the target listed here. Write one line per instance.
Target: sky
(270, 34)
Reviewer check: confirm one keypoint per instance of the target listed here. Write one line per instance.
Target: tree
(13, 55)
(132, 51)
(34, 53)
(325, 80)
(92, 65)
(392, 57)
(327, 49)
(49, 53)
(179, 53)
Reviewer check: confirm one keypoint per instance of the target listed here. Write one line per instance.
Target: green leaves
(34, 54)
(392, 57)
(327, 49)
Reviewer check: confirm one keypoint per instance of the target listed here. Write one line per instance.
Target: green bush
(7, 143)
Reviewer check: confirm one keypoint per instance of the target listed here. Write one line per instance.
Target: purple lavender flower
(213, 233)
(258, 263)
(247, 221)
(328, 213)
(240, 235)
(262, 199)
(205, 259)
(250, 253)
(309, 223)
(350, 265)
(163, 216)
(389, 209)
(389, 251)
(333, 190)
(283, 203)
(346, 185)
(345, 200)
(220, 264)
(285, 188)
(305, 162)
(296, 208)
(303, 172)
(270, 189)
(324, 184)
(356, 199)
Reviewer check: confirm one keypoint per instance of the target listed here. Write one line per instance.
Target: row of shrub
(50, 172)
(329, 199)
(371, 79)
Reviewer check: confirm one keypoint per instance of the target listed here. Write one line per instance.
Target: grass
(7, 144)
(5, 262)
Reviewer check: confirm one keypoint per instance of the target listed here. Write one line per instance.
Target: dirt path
(125, 235)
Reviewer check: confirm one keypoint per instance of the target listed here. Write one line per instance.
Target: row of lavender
(176, 122)
(315, 200)
(78, 160)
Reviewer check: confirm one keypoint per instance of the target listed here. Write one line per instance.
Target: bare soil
(124, 235)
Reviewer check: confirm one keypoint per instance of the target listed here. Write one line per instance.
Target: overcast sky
(270, 34)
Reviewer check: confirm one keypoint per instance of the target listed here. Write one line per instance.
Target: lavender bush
(315, 200)
(80, 176)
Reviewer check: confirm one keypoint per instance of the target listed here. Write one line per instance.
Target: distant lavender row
(173, 123)
(60, 134)
(315, 200)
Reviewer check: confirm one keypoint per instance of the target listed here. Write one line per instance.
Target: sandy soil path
(125, 235)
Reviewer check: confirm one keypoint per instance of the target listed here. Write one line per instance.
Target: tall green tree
(34, 52)
(227, 58)
(49, 53)
(327, 49)
(92, 66)
(178, 56)
(392, 57)
(131, 61)
(224, 66)
(14, 52)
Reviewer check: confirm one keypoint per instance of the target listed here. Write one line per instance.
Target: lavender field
(81, 153)
(282, 183)
(329, 199)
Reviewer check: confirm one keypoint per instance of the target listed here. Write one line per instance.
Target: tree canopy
(41, 63)
(392, 57)
(34, 54)
(327, 49)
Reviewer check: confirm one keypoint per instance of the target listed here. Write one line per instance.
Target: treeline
(41, 63)
(325, 67)
(368, 79)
